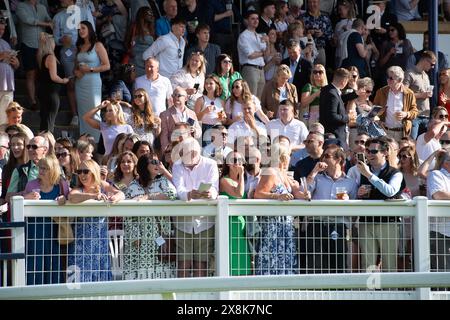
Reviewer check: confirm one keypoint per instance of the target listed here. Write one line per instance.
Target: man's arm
(334, 103)
(389, 189)
(179, 183)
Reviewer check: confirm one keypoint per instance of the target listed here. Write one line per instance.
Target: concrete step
(71, 131)
(25, 102)
(32, 118)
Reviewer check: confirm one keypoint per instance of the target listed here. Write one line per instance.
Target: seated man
(217, 149)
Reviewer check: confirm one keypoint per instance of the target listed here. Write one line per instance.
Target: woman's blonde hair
(46, 47)
(117, 109)
(202, 68)
(282, 70)
(13, 107)
(53, 168)
(279, 153)
(94, 169)
(324, 78)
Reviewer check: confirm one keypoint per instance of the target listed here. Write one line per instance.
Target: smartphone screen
(196, 86)
(191, 121)
(361, 157)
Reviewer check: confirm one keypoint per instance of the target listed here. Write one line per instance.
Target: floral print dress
(141, 251)
(276, 248)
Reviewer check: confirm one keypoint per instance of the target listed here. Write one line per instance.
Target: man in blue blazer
(333, 115)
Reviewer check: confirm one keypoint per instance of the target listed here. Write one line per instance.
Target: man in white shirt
(195, 177)
(439, 189)
(169, 49)
(251, 47)
(217, 149)
(427, 143)
(248, 126)
(158, 87)
(287, 126)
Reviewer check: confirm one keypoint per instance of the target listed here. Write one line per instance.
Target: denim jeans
(419, 126)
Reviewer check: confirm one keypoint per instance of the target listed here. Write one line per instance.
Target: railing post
(18, 241)
(222, 242)
(422, 243)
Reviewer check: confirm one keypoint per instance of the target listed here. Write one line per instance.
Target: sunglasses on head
(83, 171)
(155, 162)
(32, 146)
(372, 151)
(62, 154)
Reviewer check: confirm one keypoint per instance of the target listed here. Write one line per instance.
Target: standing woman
(44, 262)
(143, 35)
(210, 108)
(49, 81)
(232, 185)
(191, 78)
(143, 120)
(140, 248)
(227, 75)
(92, 59)
(276, 252)
(90, 260)
(272, 55)
(309, 112)
(113, 124)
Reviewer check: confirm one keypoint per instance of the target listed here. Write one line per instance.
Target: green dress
(240, 260)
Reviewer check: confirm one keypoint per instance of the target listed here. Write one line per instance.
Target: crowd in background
(307, 102)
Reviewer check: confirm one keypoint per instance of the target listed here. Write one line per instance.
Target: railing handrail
(217, 284)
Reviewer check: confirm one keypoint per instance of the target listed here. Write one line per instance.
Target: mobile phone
(374, 112)
(361, 157)
(191, 121)
(204, 187)
(196, 86)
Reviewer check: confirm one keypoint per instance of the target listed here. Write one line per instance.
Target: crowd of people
(323, 107)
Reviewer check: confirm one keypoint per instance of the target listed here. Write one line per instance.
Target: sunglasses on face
(443, 116)
(318, 72)
(32, 146)
(155, 162)
(138, 96)
(83, 171)
(404, 156)
(372, 151)
(227, 61)
(354, 76)
(358, 142)
(444, 142)
(62, 154)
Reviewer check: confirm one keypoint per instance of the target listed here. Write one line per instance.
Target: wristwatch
(92, 69)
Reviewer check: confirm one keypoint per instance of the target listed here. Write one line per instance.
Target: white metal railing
(419, 208)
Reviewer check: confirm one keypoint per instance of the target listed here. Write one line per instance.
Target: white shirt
(248, 43)
(242, 129)
(211, 118)
(211, 151)
(295, 130)
(439, 180)
(186, 180)
(425, 149)
(237, 107)
(169, 51)
(394, 104)
(158, 90)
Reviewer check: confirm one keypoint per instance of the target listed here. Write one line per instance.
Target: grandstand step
(71, 131)
(25, 102)
(32, 118)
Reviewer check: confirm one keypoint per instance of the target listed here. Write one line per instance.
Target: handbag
(65, 231)
(107, 30)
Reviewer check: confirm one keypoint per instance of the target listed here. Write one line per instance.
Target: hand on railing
(61, 200)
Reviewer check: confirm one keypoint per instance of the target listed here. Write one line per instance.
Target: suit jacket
(302, 73)
(333, 115)
(169, 119)
(409, 106)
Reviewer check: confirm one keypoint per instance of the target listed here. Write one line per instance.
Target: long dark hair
(219, 60)
(92, 36)
(142, 169)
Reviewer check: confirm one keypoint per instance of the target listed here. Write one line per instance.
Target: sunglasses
(178, 95)
(358, 142)
(83, 171)
(224, 134)
(138, 96)
(63, 154)
(444, 142)
(443, 116)
(227, 61)
(155, 162)
(318, 72)
(404, 156)
(354, 76)
(180, 54)
(33, 146)
(372, 151)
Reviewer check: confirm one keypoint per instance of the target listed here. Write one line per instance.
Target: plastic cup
(340, 193)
